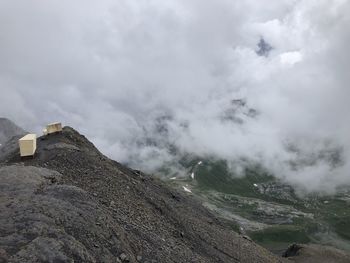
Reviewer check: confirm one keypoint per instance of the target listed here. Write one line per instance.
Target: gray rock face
(41, 221)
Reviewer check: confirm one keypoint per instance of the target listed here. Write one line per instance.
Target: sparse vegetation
(259, 197)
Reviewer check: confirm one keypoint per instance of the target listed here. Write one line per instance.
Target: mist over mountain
(9, 135)
(70, 202)
(8, 129)
(150, 81)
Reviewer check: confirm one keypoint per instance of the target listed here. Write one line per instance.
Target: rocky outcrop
(72, 204)
(315, 253)
(36, 215)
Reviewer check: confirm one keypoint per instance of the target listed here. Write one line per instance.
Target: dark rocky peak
(238, 111)
(9, 129)
(64, 143)
(9, 135)
(264, 48)
(68, 138)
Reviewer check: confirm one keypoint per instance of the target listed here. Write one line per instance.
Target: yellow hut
(27, 145)
(52, 128)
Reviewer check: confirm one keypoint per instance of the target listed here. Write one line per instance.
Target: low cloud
(138, 77)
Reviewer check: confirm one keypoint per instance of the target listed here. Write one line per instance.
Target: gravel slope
(72, 204)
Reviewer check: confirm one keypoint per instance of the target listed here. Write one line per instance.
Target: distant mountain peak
(264, 48)
(9, 129)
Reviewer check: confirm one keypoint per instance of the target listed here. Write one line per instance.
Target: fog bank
(260, 80)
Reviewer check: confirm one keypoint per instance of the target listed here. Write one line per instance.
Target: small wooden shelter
(52, 128)
(27, 145)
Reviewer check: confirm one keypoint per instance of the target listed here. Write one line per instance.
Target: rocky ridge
(72, 204)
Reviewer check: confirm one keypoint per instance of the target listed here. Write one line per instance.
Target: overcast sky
(115, 69)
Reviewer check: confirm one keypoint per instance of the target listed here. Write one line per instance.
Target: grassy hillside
(266, 209)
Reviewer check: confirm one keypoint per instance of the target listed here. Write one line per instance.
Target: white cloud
(290, 58)
(111, 69)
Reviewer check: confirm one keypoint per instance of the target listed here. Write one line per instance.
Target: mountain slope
(72, 203)
(8, 129)
(9, 135)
